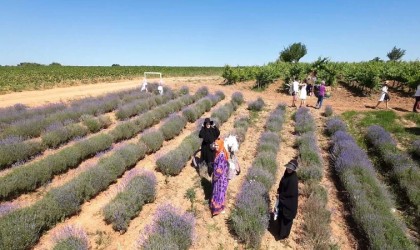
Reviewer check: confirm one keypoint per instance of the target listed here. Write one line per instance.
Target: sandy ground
(211, 233)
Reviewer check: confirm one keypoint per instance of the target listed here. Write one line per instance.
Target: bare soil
(211, 233)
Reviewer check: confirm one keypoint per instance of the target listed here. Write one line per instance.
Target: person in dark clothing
(209, 133)
(288, 199)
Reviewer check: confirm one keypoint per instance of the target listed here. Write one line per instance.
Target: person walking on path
(288, 199)
(321, 95)
(384, 96)
(417, 102)
(303, 93)
(209, 133)
(220, 179)
(295, 91)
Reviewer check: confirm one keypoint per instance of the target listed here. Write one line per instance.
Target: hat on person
(207, 120)
(292, 165)
(323, 82)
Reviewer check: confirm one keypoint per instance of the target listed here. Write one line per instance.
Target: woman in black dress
(209, 133)
(288, 199)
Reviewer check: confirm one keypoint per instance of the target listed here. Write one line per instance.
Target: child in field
(384, 96)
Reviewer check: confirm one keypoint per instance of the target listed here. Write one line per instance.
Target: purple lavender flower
(71, 237)
(171, 229)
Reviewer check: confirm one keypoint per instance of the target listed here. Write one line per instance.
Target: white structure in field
(144, 86)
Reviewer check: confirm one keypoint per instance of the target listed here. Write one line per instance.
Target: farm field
(135, 149)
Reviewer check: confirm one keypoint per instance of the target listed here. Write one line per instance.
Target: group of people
(216, 154)
(305, 89)
(144, 87)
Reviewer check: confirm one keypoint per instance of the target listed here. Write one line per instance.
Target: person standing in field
(321, 94)
(417, 102)
(309, 87)
(295, 91)
(209, 133)
(384, 96)
(220, 179)
(303, 93)
(287, 195)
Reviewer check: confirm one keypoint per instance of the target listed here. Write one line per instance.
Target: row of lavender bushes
(22, 228)
(19, 181)
(19, 112)
(16, 149)
(58, 132)
(371, 205)
(174, 161)
(250, 216)
(171, 229)
(70, 238)
(141, 105)
(316, 225)
(34, 126)
(404, 171)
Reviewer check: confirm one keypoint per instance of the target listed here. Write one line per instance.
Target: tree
(293, 53)
(376, 59)
(55, 64)
(396, 54)
(115, 65)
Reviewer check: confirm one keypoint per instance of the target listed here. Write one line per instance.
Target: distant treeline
(30, 76)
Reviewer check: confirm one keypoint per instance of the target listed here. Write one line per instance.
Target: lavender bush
(249, 219)
(310, 160)
(304, 121)
(173, 126)
(220, 94)
(371, 204)
(223, 113)
(202, 91)
(240, 127)
(276, 119)
(58, 135)
(256, 105)
(171, 229)
(138, 188)
(153, 139)
(238, 98)
(335, 124)
(6, 208)
(70, 237)
(184, 90)
(16, 149)
(328, 111)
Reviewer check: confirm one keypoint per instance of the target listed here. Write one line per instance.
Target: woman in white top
(302, 93)
(417, 96)
(384, 96)
(295, 91)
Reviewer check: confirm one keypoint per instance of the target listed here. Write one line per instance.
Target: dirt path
(40, 97)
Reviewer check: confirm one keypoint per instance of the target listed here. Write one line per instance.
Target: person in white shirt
(295, 89)
(384, 96)
(303, 93)
(160, 89)
(417, 96)
(144, 86)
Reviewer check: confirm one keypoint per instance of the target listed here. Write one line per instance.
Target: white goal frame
(153, 73)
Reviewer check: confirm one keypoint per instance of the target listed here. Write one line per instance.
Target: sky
(203, 33)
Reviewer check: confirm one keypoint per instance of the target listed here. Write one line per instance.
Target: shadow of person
(401, 109)
(369, 107)
(207, 188)
(413, 130)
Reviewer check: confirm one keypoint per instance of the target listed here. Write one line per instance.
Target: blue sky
(203, 33)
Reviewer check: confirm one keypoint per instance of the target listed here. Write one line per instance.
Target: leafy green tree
(55, 64)
(293, 53)
(376, 59)
(396, 54)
